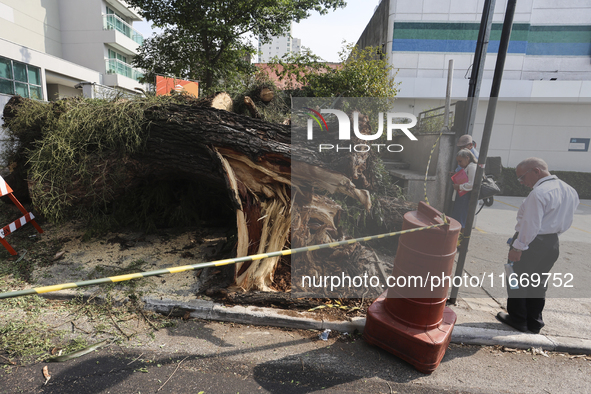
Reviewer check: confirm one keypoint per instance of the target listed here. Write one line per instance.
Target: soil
(61, 254)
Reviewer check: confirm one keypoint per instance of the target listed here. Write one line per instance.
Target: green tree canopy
(361, 73)
(206, 39)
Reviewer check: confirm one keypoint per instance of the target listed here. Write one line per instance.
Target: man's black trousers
(525, 305)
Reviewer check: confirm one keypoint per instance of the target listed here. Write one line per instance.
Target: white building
(544, 105)
(278, 47)
(52, 49)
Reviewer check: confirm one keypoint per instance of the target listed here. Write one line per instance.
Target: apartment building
(50, 49)
(278, 47)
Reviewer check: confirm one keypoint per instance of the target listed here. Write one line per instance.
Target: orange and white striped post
(12, 227)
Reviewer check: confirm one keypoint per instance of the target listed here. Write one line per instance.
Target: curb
(513, 339)
(209, 310)
(466, 335)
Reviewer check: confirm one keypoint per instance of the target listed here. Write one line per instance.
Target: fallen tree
(99, 160)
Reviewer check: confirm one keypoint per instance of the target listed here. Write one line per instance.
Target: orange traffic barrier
(412, 322)
(12, 227)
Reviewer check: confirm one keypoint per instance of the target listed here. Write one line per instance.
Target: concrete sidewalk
(473, 327)
(568, 320)
(567, 316)
(567, 313)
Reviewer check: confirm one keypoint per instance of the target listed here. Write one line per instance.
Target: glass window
(36, 92)
(111, 11)
(21, 89)
(6, 86)
(5, 68)
(110, 66)
(117, 63)
(20, 71)
(116, 55)
(117, 22)
(110, 22)
(34, 75)
(20, 78)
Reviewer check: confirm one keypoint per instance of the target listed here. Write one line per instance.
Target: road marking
(580, 203)
(482, 231)
(580, 229)
(502, 202)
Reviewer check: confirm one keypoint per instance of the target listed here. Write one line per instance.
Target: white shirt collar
(546, 178)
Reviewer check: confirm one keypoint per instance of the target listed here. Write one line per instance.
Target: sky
(323, 34)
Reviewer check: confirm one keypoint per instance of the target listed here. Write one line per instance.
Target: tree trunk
(221, 100)
(284, 300)
(252, 108)
(249, 158)
(266, 95)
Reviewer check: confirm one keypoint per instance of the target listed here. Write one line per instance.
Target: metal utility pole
(478, 64)
(488, 123)
(450, 77)
(473, 88)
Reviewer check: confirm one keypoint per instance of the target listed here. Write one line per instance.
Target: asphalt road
(200, 356)
(210, 357)
(500, 218)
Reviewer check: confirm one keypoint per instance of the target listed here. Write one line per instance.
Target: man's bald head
(533, 162)
(529, 171)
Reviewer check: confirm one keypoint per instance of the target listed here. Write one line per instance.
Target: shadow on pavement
(323, 369)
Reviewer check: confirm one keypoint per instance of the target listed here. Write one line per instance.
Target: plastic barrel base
(422, 348)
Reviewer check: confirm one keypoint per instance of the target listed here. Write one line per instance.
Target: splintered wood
(251, 161)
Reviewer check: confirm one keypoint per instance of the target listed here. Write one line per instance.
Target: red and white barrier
(12, 227)
(5, 189)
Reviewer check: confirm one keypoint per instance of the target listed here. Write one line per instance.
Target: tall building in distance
(278, 47)
(61, 48)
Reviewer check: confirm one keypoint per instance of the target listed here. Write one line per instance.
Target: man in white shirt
(547, 212)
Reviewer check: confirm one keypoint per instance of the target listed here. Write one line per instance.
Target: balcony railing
(116, 66)
(113, 22)
(432, 120)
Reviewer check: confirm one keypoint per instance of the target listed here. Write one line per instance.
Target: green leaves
(186, 54)
(205, 39)
(362, 73)
(77, 140)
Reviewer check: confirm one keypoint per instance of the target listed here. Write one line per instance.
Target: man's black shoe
(535, 330)
(508, 320)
